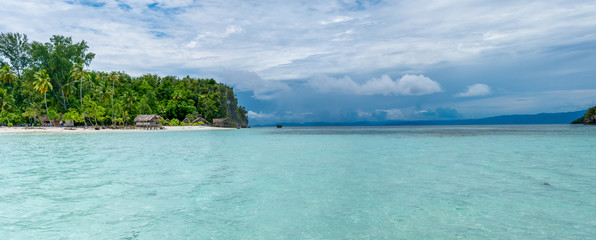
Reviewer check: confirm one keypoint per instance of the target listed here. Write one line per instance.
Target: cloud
(437, 114)
(407, 85)
(287, 40)
(391, 114)
(338, 19)
(478, 89)
(275, 49)
(250, 81)
(528, 103)
(261, 116)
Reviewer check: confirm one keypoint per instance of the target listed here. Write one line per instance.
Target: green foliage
(591, 112)
(73, 115)
(53, 115)
(32, 111)
(579, 120)
(588, 117)
(7, 75)
(58, 58)
(6, 100)
(16, 48)
(52, 78)
(174, 122)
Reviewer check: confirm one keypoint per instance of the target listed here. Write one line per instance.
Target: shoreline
(92, 130)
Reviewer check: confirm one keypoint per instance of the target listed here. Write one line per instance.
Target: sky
(345, 60)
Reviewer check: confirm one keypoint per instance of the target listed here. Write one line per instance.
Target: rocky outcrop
(224, 122)
(588, 119)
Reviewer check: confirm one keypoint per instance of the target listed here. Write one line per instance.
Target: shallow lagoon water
(426, 182)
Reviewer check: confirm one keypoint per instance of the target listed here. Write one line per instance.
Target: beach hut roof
(147, 118)
(200, 119)
(186, 120)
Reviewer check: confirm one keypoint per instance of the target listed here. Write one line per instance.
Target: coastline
(92, 130)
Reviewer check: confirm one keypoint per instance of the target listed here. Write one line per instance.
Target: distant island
(588, 119)
(541, 118)
(45, 84)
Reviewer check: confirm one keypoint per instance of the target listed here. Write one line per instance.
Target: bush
(174, 122)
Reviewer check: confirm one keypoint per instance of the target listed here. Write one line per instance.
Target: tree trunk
(113, 102)
(63, 102)
(46, 101)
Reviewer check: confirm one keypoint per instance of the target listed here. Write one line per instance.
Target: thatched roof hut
(45, 121)
(167, 120)
(148, 120)
(186, 120)
(200, 119)
(224, 122)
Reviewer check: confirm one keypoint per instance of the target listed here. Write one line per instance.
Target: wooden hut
(201, 119)
(45, 121)
(224, 122)
(148, 121)
(186, 121)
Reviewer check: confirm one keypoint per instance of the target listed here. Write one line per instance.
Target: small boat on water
(279, 126)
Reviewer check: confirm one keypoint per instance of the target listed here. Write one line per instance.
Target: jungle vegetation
(52, 79)
(588, 118)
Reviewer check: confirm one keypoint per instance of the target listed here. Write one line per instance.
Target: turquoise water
(447, 182)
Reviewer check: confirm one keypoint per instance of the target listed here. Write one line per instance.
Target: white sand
(92, 130)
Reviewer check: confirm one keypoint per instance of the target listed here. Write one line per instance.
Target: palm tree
(79, 74)
(7, 75)
(6, 100)
(42, 85)
(114, 77)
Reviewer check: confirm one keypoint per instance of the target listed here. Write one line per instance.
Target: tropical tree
(113, 77)
(42, 85)
(73, 115)
(94, 110)
(6, 74)
(32, 111)
(15, 47)
(79, 74)
(58, 57)
(6, 100)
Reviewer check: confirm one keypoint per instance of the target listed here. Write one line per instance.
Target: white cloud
(478, 89)
(407, 85)
(338, 19)
(325, 84)
(392, 114)
(261, 116)
(362, 114)
(250, 81)
(527, 103)
(287, 40)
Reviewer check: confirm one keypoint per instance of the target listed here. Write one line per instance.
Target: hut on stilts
(148, 122)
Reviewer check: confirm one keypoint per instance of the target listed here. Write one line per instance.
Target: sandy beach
(92, 130)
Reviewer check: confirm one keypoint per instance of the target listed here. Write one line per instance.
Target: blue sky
(298, 61)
